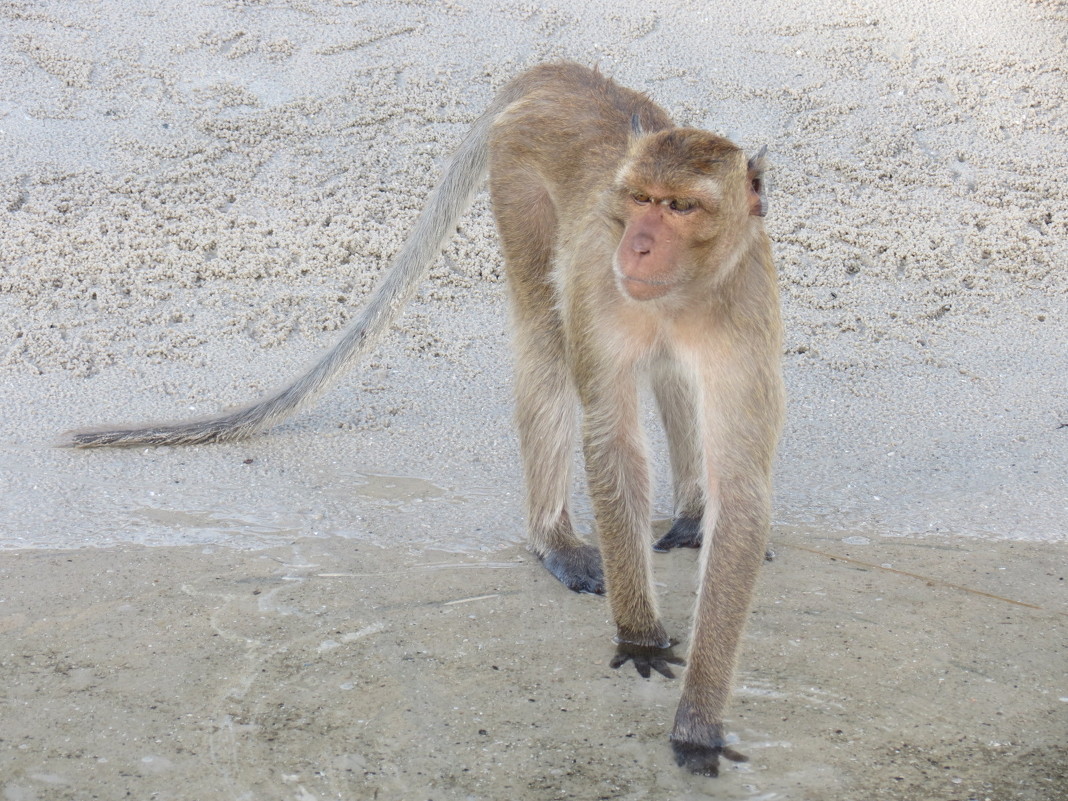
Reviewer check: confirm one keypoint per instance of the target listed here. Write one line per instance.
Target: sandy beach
(195, 198)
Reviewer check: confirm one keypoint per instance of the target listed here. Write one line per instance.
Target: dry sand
(195, 197)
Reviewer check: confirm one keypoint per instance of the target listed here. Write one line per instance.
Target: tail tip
(68, 439)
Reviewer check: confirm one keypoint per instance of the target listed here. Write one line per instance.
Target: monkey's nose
(642, 243)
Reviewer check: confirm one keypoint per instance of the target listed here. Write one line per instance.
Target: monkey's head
(686, 199)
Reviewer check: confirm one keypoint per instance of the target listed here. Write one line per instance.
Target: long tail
(447, 203)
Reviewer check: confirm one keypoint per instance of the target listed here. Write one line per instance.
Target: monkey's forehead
(691, 148)
(673, 168)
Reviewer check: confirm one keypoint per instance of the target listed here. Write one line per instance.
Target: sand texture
(196, 197)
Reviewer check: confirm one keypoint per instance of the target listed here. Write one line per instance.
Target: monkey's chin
(641, 290)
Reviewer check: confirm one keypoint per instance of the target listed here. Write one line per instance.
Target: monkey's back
(571, 125)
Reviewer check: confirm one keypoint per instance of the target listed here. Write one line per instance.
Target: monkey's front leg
(732, 555)
(618, 477)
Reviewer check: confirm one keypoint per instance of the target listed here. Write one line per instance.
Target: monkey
(635, 254)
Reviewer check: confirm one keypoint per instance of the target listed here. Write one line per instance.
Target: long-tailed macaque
(635, 250)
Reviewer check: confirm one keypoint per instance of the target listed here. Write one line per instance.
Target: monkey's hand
(685, 532)
(703, 759)
(647, 658)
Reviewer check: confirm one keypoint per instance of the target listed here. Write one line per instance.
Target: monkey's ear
(636, 126)
(758, 201)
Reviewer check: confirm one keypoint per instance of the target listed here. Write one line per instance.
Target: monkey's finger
(640, 664)
(732, 755)
(663, 665)
(663, 669)
(621, 658)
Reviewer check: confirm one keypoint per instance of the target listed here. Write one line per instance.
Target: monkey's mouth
(643, 288)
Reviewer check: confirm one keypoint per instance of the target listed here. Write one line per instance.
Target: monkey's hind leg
(546, 402)
(678, 412)
(546, 420)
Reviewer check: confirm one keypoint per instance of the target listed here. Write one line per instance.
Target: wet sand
(320, 669)
(196, 197)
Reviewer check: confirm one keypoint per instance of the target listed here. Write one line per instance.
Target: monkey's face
(659, 230)
(674, 235)
(684, 199)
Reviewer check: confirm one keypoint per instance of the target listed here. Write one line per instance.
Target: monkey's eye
(640, 198)
(682, 206)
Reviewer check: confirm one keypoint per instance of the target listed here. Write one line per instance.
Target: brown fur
(635, 251)
(565, 168)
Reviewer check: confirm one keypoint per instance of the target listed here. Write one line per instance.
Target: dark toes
(700, 759)
(685, 532)
(732, 755)
(578, 569)
(646, 659)
(704, 759)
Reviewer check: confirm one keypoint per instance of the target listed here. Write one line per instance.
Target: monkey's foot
(578, 568)
(685, 532)
(647, 658)
(703, 759)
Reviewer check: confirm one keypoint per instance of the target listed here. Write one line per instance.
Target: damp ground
(871, 669)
